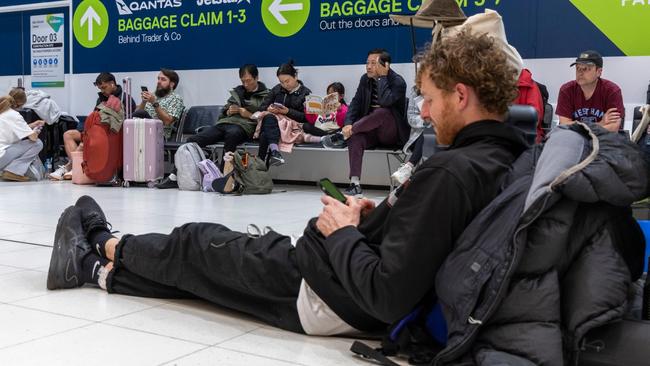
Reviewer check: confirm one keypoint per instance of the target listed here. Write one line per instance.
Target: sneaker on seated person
(403, 173)
(334, 141)
(275, 158)
(168, 183)
(60, 173)
(354, 190)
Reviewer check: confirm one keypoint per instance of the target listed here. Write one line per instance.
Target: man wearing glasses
(376, 116)
(589, 98)
(107, 86)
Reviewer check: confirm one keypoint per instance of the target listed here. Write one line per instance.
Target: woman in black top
(287, 98)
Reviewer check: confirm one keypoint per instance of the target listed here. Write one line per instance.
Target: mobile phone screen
(330, 189)
(144, 88)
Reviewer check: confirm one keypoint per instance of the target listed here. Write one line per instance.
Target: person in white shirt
(19, 143)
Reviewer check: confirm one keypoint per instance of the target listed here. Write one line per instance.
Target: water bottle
(48, 165)
(645, 310)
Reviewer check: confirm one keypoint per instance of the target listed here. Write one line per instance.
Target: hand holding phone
(277, 105)
(330, 189)
(144, 88)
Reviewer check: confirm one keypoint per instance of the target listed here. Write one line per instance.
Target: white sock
(355, 181)
(103, 275)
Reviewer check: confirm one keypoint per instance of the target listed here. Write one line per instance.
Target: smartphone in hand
(330, 189)
(277, 105)
(144, 88)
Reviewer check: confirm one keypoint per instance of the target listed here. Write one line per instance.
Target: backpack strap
(367, 352)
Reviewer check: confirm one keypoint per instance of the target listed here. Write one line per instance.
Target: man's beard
(447, 127)
(162, 92)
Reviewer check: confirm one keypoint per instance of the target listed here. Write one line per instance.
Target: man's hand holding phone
(336, 215)
(146, 95)
(340, 210)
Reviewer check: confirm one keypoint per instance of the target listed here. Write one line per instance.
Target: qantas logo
(128, 9)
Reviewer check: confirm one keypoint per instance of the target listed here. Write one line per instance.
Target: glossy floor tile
(89, 327)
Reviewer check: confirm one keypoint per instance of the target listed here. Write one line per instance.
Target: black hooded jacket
(374, 274)
(295, 101)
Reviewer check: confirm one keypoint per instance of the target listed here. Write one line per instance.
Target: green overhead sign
(621, 21)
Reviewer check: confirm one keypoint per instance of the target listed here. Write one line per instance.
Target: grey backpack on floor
(186, 159)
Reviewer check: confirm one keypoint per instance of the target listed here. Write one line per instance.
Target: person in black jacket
(287, 98)
(357, 267)
(376, 116)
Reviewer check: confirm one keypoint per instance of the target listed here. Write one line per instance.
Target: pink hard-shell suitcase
(144, 146)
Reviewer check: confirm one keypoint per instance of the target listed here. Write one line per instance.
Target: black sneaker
(354, 190)
(70, 247)
(275, 158)
(334, 141)
(167, 184)
(92, 216)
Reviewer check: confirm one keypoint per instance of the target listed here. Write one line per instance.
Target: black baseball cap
(589, 57)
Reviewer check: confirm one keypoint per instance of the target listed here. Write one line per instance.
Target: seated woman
(19, 143)
(319, 126)
(283, 112)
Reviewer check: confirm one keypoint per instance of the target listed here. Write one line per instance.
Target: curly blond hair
(473, 60)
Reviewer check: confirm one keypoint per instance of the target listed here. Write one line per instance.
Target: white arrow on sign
(90, 16)
(276, 8)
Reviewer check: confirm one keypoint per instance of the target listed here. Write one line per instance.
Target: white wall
(632, 74)
(200, 87)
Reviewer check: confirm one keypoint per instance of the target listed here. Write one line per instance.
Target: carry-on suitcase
(623, 343)
(143, 151)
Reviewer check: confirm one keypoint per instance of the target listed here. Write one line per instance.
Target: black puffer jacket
(295, 101)
(550, 258)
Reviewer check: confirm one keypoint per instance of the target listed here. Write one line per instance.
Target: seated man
(107, 86)
(357, 267)
(589, 98)
(234, 126)
(375, 116)
(164, 104)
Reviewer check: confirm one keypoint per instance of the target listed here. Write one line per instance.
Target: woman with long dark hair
(284, 111)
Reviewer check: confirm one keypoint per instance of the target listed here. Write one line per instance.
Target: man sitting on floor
(357, 267)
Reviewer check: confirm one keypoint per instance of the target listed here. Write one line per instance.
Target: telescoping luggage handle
(128, 112)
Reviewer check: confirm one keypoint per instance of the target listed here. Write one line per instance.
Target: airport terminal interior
(88, 326)
(505, 143)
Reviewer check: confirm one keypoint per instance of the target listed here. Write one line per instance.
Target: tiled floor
(89, 327)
